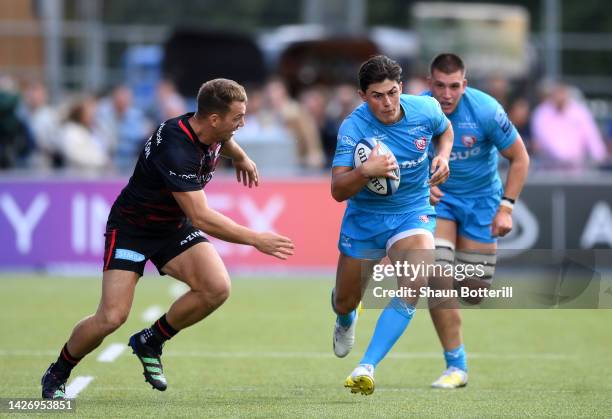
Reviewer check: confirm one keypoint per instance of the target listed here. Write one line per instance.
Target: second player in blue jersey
(473, 207)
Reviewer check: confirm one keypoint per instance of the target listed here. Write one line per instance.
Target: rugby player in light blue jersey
(473, 208)
(375, 226)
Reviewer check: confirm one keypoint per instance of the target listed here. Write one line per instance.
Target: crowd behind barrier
(104, 133)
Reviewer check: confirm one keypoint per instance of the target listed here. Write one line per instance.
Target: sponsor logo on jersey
(345, 241)
(348, 141)
(424, 218)
(407, 164)
(421, 143)
(467, 125)
(192, 236)
(183, 176)
(464, 155)
(468, 140)
(416, 130)
(158, 138)
(148, 147)
(502, 120)
(127, 254)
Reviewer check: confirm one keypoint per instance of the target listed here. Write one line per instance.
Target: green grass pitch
(267, 353)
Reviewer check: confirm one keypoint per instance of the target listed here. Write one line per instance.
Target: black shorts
(126, 250)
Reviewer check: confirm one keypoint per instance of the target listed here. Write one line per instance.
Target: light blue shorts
(367, 235)
(473, 215)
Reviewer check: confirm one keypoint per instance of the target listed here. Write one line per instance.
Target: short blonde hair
(216, 96)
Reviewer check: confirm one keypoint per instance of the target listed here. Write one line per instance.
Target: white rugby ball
(379, 185)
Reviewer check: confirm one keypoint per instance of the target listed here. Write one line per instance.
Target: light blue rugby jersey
(408, 139)
(481, 128)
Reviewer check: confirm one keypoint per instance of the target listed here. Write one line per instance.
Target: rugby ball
(379, 185)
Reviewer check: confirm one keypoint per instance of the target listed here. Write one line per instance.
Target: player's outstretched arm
(518, 168)
(517, 173)
(439, 165)
(195, 207)
(347, 181)
(246, 169)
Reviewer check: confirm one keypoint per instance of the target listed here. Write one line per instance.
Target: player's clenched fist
(502, 223)
(439, 170)
(274, 245)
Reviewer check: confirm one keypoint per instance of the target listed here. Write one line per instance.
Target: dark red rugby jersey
(173, 160)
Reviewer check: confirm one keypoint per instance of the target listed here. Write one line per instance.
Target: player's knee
(474, 275)
(221, 292)
(111, 320)
(442, 277)
(215, 293)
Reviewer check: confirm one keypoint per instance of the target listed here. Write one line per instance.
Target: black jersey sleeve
(179, 168)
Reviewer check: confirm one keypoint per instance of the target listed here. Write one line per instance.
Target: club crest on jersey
(468, 140)
(424, 218)
(421, 143)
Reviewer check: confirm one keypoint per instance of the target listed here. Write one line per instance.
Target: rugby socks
(158, 333)
(391, 324)
(456, 358)
(65, 363)
(344, 320)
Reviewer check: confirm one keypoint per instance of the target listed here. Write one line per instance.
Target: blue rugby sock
(391, 324)
(456, 358)
(345, 320)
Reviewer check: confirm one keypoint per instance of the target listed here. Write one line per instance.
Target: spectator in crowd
(416, 85)
(170, 103)
(43, 122)
(519, 112)
(299, 123)
(265, 137)
(564, 131)
(498, 86)
(15, 143)
(261, 125)
(82, 145)
(124, 126)
(343, 101)
(315, 103)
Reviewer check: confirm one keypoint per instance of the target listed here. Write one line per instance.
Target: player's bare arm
(246, 169)
(439, 165)
(195, 207)
(517, 173)
(347, 181)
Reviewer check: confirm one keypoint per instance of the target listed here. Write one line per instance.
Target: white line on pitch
(77, 385)
(111, 353)
(152, 313)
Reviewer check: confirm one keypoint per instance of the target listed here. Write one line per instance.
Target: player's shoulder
(422, 106)
(418, 100)
(172, 141)
(355, 119)
(174, 133)
(481, 100)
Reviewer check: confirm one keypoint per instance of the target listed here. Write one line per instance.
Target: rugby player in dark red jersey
(162, 215)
